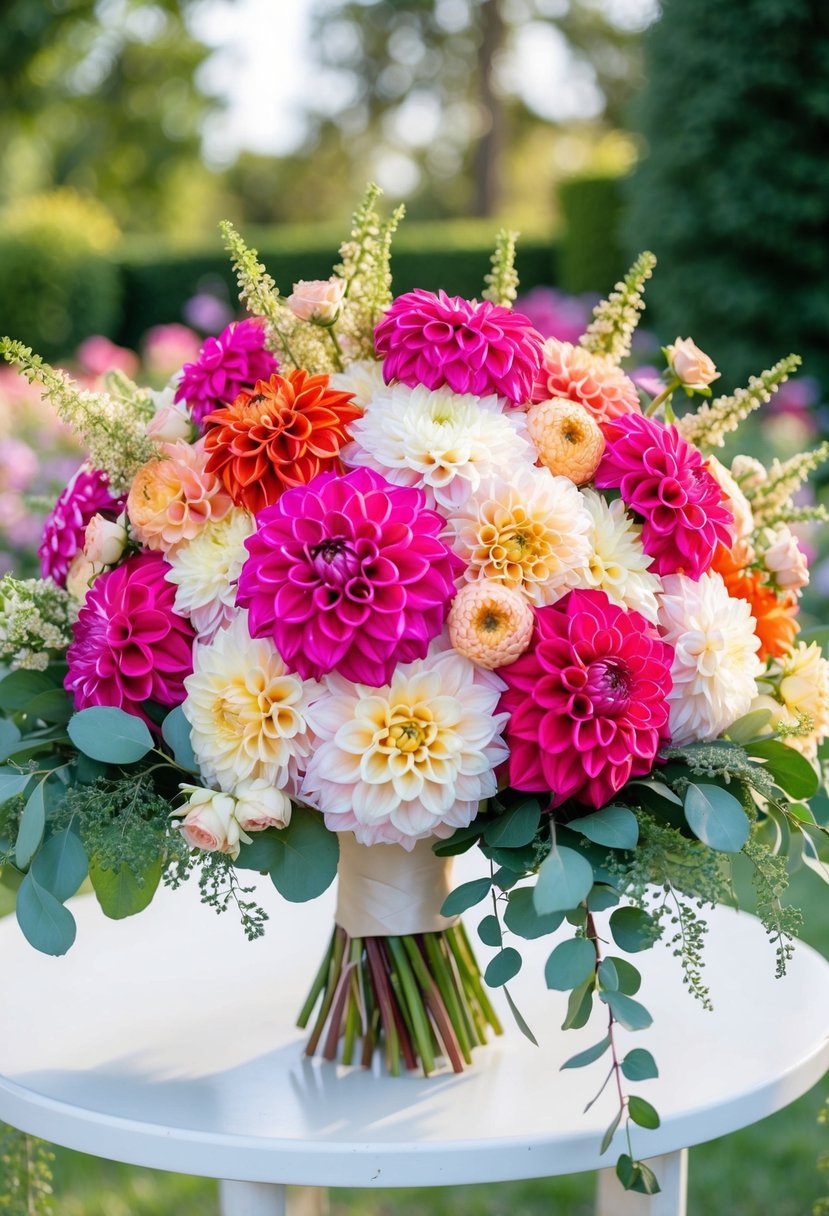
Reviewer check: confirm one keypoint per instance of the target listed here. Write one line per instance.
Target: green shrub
(591, 251)
(733, 195)
(58, 283)
(158, 279)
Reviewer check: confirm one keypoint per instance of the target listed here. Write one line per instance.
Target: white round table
(167, 1040)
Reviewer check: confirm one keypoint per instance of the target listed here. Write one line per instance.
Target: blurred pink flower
(556, 314)
(97, 355)
(207, 312)
(18, 464)
(167, 347)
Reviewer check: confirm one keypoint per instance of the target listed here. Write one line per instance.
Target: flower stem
(667, 392)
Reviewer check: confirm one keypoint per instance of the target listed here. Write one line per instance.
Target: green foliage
(716, 818)
(25, 1174)
(111, 735)
(564, 880)
(365, 267)
(591, 251)
(770, 880)
(58, 282)
(733, 193)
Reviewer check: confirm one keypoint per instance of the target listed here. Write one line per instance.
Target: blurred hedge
(591, 253)
(158, 279)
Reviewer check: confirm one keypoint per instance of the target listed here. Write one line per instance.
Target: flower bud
(260, 805)
(104, 541)
(169, 423)
(784, 558)
(691, 366)
(80, 576)
(209, 822)
(317, 300)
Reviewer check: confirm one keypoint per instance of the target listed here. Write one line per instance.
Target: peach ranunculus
(260, 805)
(691, 366)
(317, 300)
(105, 540)
(173, 497)
(210, 822)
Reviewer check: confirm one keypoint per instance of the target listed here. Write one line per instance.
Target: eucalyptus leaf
(489, 931)
(175, 730)
(54, 705)
(61, 865)
(564, 880)
(632, 929)
(579, 1007)
(589, 1055)
(466, 896)
(791, 771)
(120, 892)
(307, 862)
(630, 981)
(750, 726)
(607, 1138)
(9, 738)
(461, 841)
(12, 783)
(262, 853)
(639, 1065)
(716, 818)
(44, 921)
(20, 687)
(660, 788)
(614, 826)
(601, 898)
(503, 967)
(626, 1011)
(570, 964)
(103, 732)
(514, 828)
(608, 975)
(643, 1113)
(32, 826)
(521, 918)
(520, 1021)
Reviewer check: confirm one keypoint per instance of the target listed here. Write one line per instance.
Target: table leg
(271, 1199)
(672, 1173)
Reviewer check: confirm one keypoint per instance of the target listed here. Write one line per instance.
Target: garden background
(597, 128)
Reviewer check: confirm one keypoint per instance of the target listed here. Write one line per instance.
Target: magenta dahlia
(129, 645)
(664, 480)
(440, 340)
(86, 495)
(588, 702)
(348, 574)
(226, 365)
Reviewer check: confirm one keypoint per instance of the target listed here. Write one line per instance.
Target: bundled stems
(417, 997)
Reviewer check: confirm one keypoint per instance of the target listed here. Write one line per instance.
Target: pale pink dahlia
(348, 574)
(595, 381)
(664, 480)
(226, 365)
(129, 645)
(440, 340)
(588, 702)
(87, 494)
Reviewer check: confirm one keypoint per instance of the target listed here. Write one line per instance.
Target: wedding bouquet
(375, 581)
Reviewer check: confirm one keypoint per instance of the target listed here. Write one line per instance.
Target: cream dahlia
(529, 532)
(248, 715)
(411, 759)
(618, 564)
(490, 624)
(441, 441)
(593, 380)
(206, 570)
(715, 667)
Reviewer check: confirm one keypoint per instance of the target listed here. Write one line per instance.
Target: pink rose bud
(209, 823)
(80, 576)
(104, 541)
(317, 300)
(784, 559)
(169, 423)
(259, 805)
(691, 366)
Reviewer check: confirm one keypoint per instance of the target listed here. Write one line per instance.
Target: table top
(167, 1040)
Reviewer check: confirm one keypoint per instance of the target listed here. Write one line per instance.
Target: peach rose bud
(209, 822)
(317, 300)
(104, 541)
(259, 805)
(169, 423)
(691, 366)
(80, 576)
(785, 559)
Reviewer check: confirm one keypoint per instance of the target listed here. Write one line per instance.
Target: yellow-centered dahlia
(568, 440)
(490, 624)
(529, 533)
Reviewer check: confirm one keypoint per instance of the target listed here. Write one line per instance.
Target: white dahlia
(409, 760)
(206, 570)
(363, 379)
(445, 443)
(248, 714)
(618, 565)
(530, 533)
(715, 665)
(800, 686)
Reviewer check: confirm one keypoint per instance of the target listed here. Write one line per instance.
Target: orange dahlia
(593, 380)
(281, 434)
(775, 614)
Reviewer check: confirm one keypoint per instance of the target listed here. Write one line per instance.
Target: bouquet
(375, 581)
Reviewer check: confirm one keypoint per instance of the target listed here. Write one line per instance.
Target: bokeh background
(695, 128)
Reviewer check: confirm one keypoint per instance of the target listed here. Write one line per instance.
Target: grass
(769, 1168)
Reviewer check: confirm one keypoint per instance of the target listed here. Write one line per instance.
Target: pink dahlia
(588, 702)
(86, 495)
(595, 381)
(664, 480)
(440, 340)
(129, 645)
(348, 574)
(226, 365)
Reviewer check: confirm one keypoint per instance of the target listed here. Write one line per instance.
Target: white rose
(169, 423)
(104, 541)
(785, 559)
(80, 576)
(317, 299)
(210, 823)
(691, 366)
(260, 805)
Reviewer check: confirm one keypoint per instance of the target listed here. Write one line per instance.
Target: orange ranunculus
(282, 434)
(774, 614)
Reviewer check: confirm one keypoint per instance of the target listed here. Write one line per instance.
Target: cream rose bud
(169, 423)
(104, 541)
(260, 805)
(317, 299)
(209, 821)
(691, 366)
(785, 559)
(80, 576)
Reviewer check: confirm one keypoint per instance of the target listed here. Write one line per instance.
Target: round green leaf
(175, 730)
(601, 898)
(307, 862)
(45, 923)
(639, 1065)
(642, 1112)
(262, 853)
(515, 827)
(630, 981)
(489, 931)
(105, 733)
(626, 1011)
(570, 964)
(120, 892)
(564, 880)
(502, 968)
(716, 818)
(608, 975)
(466, 896)
(614, 826)
(12, 783)
(522, 919)
(61, 865)
(632, 929)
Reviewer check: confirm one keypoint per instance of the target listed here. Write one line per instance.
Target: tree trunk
(489, 150)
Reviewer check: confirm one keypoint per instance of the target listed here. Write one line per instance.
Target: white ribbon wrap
(385, 891)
